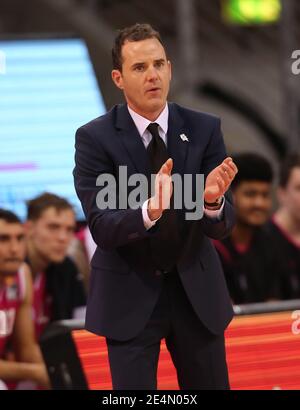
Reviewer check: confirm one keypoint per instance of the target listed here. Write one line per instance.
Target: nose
(61, 235)
(64, 236)
(152, 73)
(15, 247)
(261, 202)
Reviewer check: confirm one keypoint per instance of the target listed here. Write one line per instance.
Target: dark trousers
(197, 354)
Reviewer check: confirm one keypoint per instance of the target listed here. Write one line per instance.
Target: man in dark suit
(156, 274)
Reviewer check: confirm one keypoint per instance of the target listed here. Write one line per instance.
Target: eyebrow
(159, 60)
(4, 236)
(137, 64)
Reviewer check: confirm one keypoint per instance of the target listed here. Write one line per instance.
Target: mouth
(13, 260)
(60, 252)
(153, 90)
(258, 214)
(258, 211)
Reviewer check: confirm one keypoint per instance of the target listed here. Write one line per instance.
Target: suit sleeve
(215, 153)
(110, 228)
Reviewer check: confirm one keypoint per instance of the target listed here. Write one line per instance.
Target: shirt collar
(142, 122)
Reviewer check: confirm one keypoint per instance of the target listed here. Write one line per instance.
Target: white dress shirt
(141, 124)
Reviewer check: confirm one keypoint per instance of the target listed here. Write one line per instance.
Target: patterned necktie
(165, 245)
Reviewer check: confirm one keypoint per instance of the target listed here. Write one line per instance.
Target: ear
(170, 69)
(28, 227)
(117, 78)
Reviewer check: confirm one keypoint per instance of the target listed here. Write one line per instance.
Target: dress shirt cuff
(217, 213)
(147, 221)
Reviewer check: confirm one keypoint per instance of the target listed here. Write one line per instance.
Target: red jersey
(41, 305)
(12, 294)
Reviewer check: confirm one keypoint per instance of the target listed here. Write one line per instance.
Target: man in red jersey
(16, 325)
(58, 289)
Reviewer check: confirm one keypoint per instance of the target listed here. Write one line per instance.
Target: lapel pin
(184, 137)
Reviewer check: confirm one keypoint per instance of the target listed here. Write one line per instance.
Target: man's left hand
(219, 179)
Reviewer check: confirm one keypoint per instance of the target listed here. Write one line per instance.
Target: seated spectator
(81, 251)
(16, 325)
(247, 259)
(58, 287)
(285, 227)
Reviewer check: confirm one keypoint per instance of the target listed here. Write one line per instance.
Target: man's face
(145, 76)
(12, 247)
(289, 197)
(51, 234)
(253, 202)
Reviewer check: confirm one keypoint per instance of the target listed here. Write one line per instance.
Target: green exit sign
(248, 12)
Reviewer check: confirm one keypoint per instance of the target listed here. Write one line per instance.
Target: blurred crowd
(261, 257)
(44, 262)
(39, 284)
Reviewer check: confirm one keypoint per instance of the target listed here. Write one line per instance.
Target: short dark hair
(9, 217)
(137, 32)
(289, 163)
(36, 206)
(251, 167)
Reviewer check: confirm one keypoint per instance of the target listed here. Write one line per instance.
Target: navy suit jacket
(124, 284)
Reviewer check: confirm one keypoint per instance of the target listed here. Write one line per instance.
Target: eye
(160, 64)
(53, 227)
(139, 68)
(250, 194)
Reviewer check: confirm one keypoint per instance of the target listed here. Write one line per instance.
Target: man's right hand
(163, 191)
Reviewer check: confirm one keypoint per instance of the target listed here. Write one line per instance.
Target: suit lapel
(177, 148)
(132, 140)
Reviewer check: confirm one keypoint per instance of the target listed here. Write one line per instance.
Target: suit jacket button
(133, 235)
